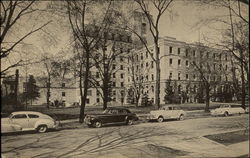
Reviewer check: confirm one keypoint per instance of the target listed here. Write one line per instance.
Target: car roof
(27, 112)
(118, 108)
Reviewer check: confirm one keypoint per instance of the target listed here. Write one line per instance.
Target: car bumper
(214, 113)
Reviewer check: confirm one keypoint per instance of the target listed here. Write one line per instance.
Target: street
(167, 139)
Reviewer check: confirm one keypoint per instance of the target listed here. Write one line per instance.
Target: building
(178, 61)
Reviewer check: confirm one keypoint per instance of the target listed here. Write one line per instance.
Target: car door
(122, 114)
(21, 120)
(167, 112)
(175, 112)
(32, 120)
(115, 116)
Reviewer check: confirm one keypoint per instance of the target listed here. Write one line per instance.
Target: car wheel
(160, 119)
(98, 124)
(226, 114)
(129, 122)
(181, 117)
(42, 128)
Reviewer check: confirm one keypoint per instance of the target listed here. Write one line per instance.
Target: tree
(138, 73)
(32, 90)
(12, 12)
(161, 7)
(235, 36)
(83, 19)
(169, 93)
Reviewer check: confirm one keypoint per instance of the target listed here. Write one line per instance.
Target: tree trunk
(158, 77)
(243, 88)
(48, 92)
(207, 99)
(85, 86)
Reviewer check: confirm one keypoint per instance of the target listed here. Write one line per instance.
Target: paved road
(146, 140)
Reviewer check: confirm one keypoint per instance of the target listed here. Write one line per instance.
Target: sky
(181, 24)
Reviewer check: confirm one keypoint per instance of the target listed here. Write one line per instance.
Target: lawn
(73, 113)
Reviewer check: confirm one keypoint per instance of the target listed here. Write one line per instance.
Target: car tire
(98, 124)
(181, 117)
(160, 119)
(129, 122)
(42, 129)
(226, 114)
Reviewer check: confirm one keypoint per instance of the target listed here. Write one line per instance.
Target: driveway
(145, 140)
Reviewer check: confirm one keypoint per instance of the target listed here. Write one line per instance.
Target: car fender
(7, 128)
(47, 122)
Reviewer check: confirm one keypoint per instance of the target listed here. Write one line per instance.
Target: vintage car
(166, 112)
(226, 110)
(111, 116)
(27, 120)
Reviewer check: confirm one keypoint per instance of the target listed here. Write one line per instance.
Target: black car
(111, 116)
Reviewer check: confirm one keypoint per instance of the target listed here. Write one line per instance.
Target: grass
(73, 113)
(230, 137)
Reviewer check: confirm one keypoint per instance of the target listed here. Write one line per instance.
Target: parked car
(27, 120)
(166, 112)
(226, 110)
(111, 116)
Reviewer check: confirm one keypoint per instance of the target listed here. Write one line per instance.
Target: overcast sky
(180, 24)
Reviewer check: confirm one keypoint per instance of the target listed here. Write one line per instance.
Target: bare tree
(12, 12)
(208, 72)
(235, 35)
(87, 30)
(138, 72)
(160, 7)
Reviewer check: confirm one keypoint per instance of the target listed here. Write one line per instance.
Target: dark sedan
(111, 116)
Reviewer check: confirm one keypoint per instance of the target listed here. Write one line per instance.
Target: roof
(27, 112)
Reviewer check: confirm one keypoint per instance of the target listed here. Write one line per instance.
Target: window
(146, 64)
(97, 93)
(137, 57)
(141, 65)
(152, 89)
(207, 55)
(214, 66)
(194, 77)
(147, 77)
(121, 59)
(63, 85)
(170, 50)
(143, 28)
(214, 55)
(179, 62)
(114, 85)
(89, 93)
(220, 67)
(113, 75)
(146, 54)
(19, 116)
(98, 100)
(97, 75)
(226, 57)
(219, 56)
(187, 63)
(226, 67)
(186, 52)
(122, 84)
(113, 66)
(170, 75)
(121, 75)
(170, 61)
(121, 67)
(33, 116)
(63, 94)
(179, 76)
(186, 76)
(152, 77)
(128, 69)
(152, 64)
(87, 101)
(141, 56)
(114, 93)
(194, 53)
(179, 51)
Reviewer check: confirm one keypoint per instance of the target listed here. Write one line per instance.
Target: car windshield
(10, 115)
